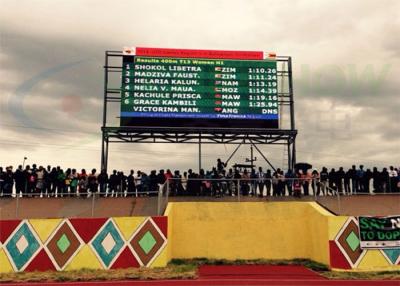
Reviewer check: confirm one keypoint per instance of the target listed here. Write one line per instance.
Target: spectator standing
(138, 181)
(237, 177)
(190, 183)
(230, 182)
(53, 181)
(385, 180)
(40, 181)
(131, 183)
(290, 176)
(346, 182)
(185, 180)
(253, 183)
(215, 183)
(153, 186)
(61, 190)
(376, 180)
(324, 176)
(161, 180)
(245, 183)
(26, 173)
(74, 181)
(8, 182)
(360, 179)
(220, 165)
(31, 180)
(281, 183)
(68, 182)
(83, 182)
(196, 184)
(367, 180)
(268, 182)
(340, 174)
(354, 181)
(306, 178)
(20, 181)
(103, 180)
(275, 183)
(297, 183)
(2, 177)
(260, 182)
(393, 179)
(113, 183)
(224, 183)
(122, 183)
(47, 181)
(92, 183)
(332, 181)
(144, 182)
(316, 186)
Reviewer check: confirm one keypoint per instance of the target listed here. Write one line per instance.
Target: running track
(237, 275)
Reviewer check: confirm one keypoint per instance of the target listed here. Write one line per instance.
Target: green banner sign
(379, 232)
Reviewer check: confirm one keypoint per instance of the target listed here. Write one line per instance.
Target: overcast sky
(346, 60)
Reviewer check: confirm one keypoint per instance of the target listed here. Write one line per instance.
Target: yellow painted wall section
(5, 265)
(44, 227)
(248, 230)
(317, 223)
(169, 212)
(375, 261)
(335, 224)
(258, 230)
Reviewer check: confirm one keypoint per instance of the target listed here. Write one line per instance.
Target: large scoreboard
(199, 88)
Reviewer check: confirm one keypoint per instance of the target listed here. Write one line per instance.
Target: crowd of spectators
(56, 182)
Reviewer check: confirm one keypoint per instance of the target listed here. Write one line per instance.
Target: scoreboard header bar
(206, 54)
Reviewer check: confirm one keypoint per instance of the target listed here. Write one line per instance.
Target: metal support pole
(238, 190)
(106, 154)
(103, 155)
(251, 156)
(292, 118)
(103, 150)
(293, 154)
(93, 203)
(290, 78)
(199, 152)
(17, 207)
(289, 155)
(167, 193)
(339, 202)
(159, 200)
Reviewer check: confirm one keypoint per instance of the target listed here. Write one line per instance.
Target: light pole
(252, 158)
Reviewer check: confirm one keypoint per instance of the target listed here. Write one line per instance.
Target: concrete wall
(248, 230)
(219, 230)
(69, 244)
(270, 230)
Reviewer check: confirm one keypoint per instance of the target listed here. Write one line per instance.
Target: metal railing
(240, 189)
(313, 189)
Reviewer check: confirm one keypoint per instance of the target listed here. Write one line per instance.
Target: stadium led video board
(199, 88)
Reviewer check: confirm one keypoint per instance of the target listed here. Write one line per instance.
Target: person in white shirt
(260, 182)
(393, 179)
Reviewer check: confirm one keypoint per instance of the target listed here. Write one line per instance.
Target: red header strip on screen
(206, 54)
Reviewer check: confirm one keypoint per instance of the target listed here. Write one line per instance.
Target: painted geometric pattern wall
(67, 244)
(346, 253)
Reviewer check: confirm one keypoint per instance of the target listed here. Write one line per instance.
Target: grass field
(181, 269)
